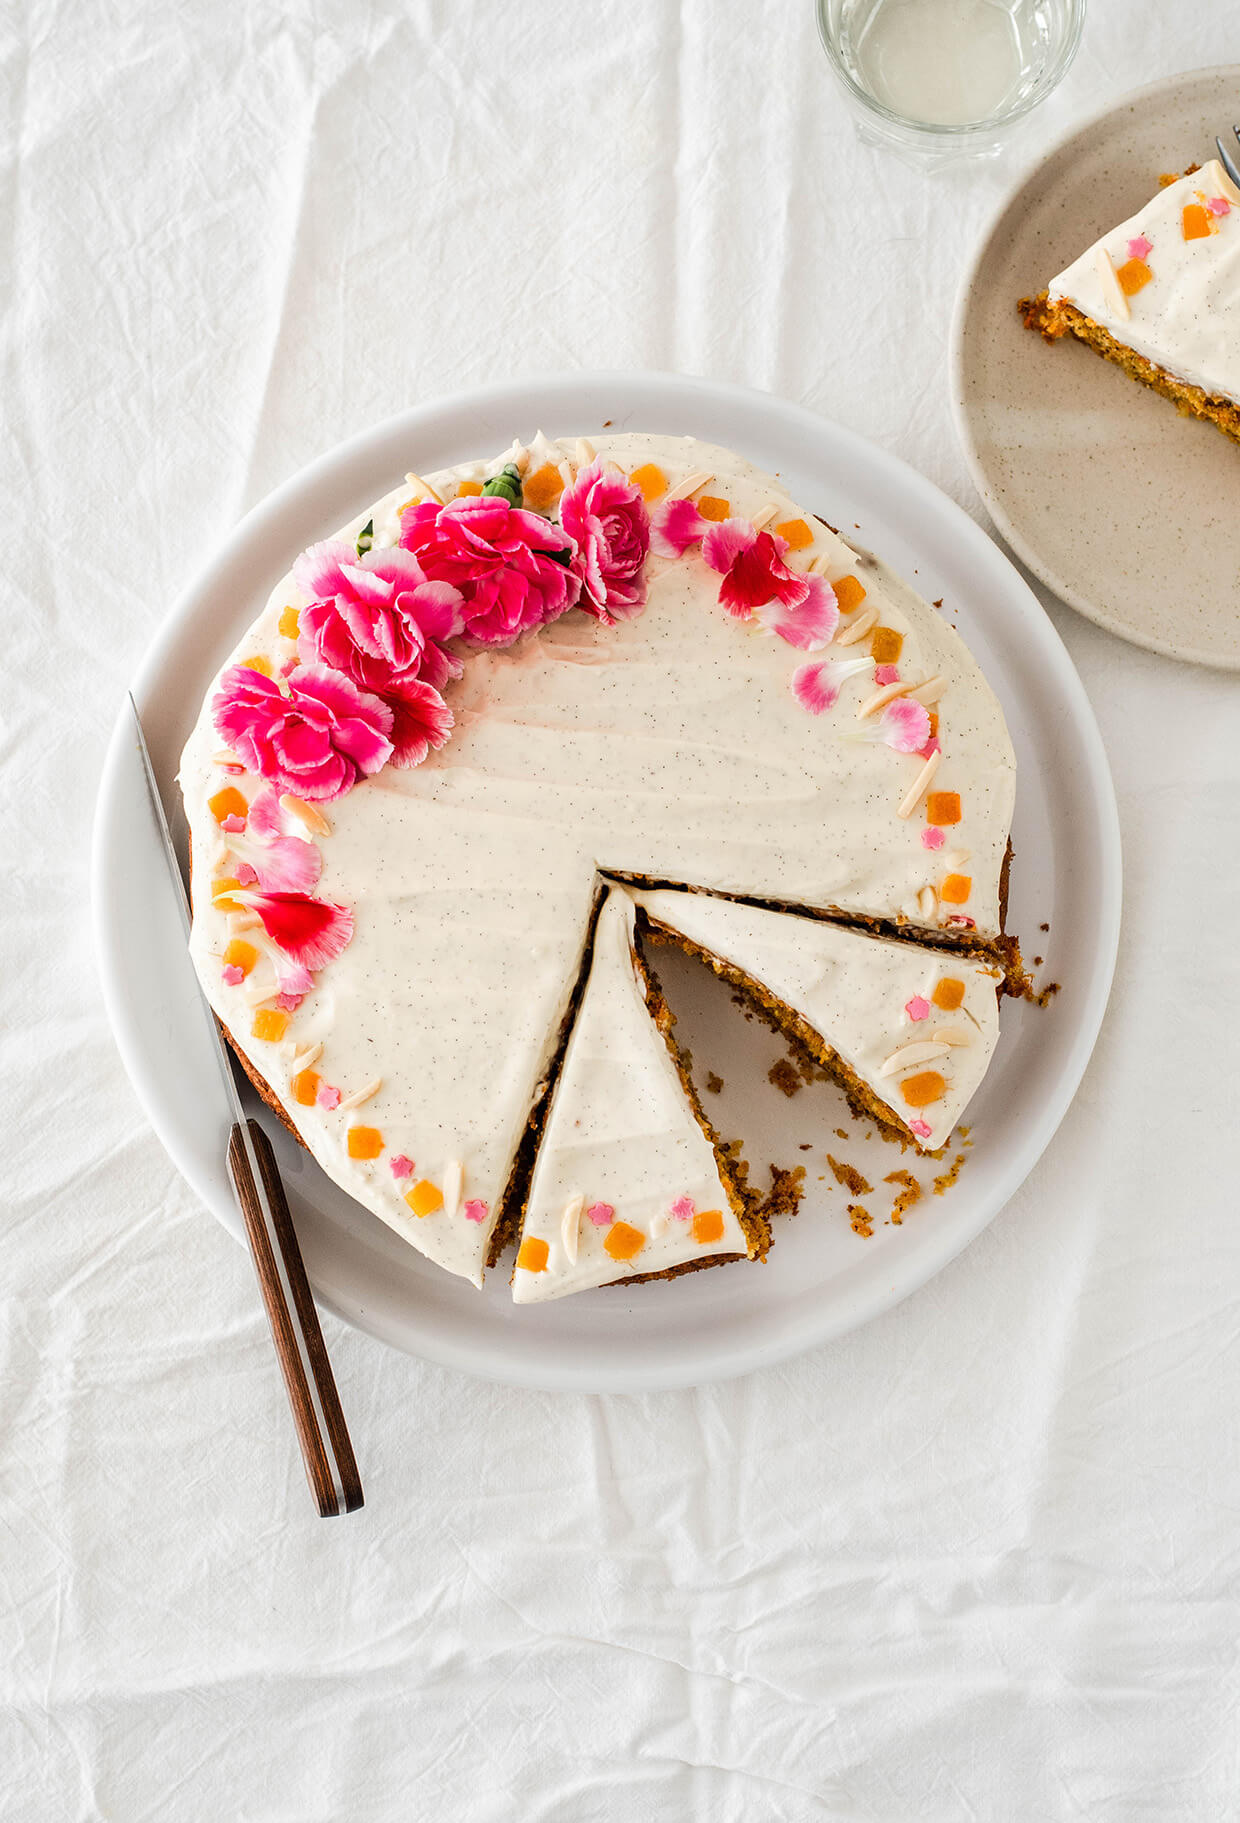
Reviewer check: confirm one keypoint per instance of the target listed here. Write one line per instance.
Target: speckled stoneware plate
(821, 1278)
(1127, 510)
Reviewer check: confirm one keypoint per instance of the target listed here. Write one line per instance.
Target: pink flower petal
(266, 819)
(328, 1097)
(311, 932)
(1139, 248)
(727, 540)
(476, 1211)
(931, 746)
(917, 1008)
(921, 1128)
(932, 836)
(808, 624)
(817, 686)
(231, 975)
(905, 724)
(421, 721)
(886, 674)
(600, 1214)
(675, 526)
(401, 1166)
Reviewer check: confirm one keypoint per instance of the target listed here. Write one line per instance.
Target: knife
(321, 1431)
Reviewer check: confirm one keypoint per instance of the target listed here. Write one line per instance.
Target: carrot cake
(507, 685)
(1160, 297)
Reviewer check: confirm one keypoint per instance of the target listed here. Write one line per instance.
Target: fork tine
(1229, 160)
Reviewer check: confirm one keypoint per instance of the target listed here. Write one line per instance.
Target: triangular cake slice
(628, 1182)
(907, 1029)
(1160, 296)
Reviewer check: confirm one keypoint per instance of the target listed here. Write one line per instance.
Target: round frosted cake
(511, 730)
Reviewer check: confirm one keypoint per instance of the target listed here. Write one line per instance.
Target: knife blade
(327, 1452)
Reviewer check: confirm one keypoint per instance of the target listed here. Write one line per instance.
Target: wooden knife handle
(321, 1430)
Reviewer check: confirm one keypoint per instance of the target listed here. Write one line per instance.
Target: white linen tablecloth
(977, 1561)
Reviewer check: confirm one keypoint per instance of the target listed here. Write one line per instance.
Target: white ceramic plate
(822, 1278)
(1124, 508)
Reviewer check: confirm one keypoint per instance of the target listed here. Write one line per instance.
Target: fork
(1230, 160)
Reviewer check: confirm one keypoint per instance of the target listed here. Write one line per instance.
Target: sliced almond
(928, 903)
(360, 1095)
(586, 452)
(570, 1227)
(453, 1182)
(689, 485)
(857, 629)
(929, 692)
(308, 1054)
(1115, 295)
(309, 814)
(226, 757)
(880, 699)
(764, 517)
(417, 481)
(922, 1050)
(918, 789)
(242, 921)
(950, 1034)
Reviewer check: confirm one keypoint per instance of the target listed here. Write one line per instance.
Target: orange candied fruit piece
(1194, 222)
(227, 803)
(795, 533)
(543, 488)
(955, 888)
(290, 623)
(708, 1225)
(468, 487)
(1132, 275)
(261, 665)
(533, 1254)
(425, 1197)
(934, 723)
(240, 954)
(943, 807)
(364, 1142)
(306, 1088)
(849, 594)
(919, 1091)
(624, 1242)
(270, 1024)
(886, 645)
(650, 479)
(713, 506)
(220, 890)
(948, 993)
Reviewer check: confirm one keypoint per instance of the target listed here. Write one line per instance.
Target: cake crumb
(849, 1176)
(784, 1195)
(841, 1133)
(906, 1197)
(714, 1083)
(785, 1076)
(860, 1220)
(938, 603)
(949, 1176)
(1044, 927)
(805, 1146)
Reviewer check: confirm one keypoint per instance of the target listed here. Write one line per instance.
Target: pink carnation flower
(511, 568)
(315, 741)
(376, 617)
(797, 604)
(605, 516)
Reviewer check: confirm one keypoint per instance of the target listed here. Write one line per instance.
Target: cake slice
(906, 1029)
(629, 1182)
(1160, 297)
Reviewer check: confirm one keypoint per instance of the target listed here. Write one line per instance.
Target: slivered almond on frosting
(360, 1095)
(922, 1050)
(857, 629)
(309, 814)
(570, 1227)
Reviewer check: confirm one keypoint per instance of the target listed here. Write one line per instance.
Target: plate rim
(906, 1276)
(1028, 555)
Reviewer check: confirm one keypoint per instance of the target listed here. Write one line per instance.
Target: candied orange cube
(886, 645)
(424, 1198)
(1194, 222)
(795, 533)
(934, 723)
(624, 1241)
(220, 890)
(270, 1024)
(948, 993)
(543, 488)
(364, 1142)
(955, 888)
(920, 1090)
(650, 479)
(290, 623)
(943, 807)
(1132, 275)
(227, 803)
(707, 1225)
(306, 1088)
(240, 954)
(261, 665)
(713, 506)
(468, 487)
(849, 594)
(532, 1256)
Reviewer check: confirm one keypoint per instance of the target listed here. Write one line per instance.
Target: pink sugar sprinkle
(329, 1097)
(289, 1003)
(231, 975)
(932, 836)
(233, 824)
(683, 1209)
(920, 1127)
(401, 1166)
(1139, 248)
(475, 1211)
(917, 1008)
(886, 674)
(600, 1214)
(246, 875)
(1218, 205)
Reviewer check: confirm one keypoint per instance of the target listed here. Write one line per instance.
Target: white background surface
(977, 1561)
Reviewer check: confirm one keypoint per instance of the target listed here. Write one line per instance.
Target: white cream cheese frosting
(626, 1180)
(1185, 315)
(669, 747)
(918, 1026)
